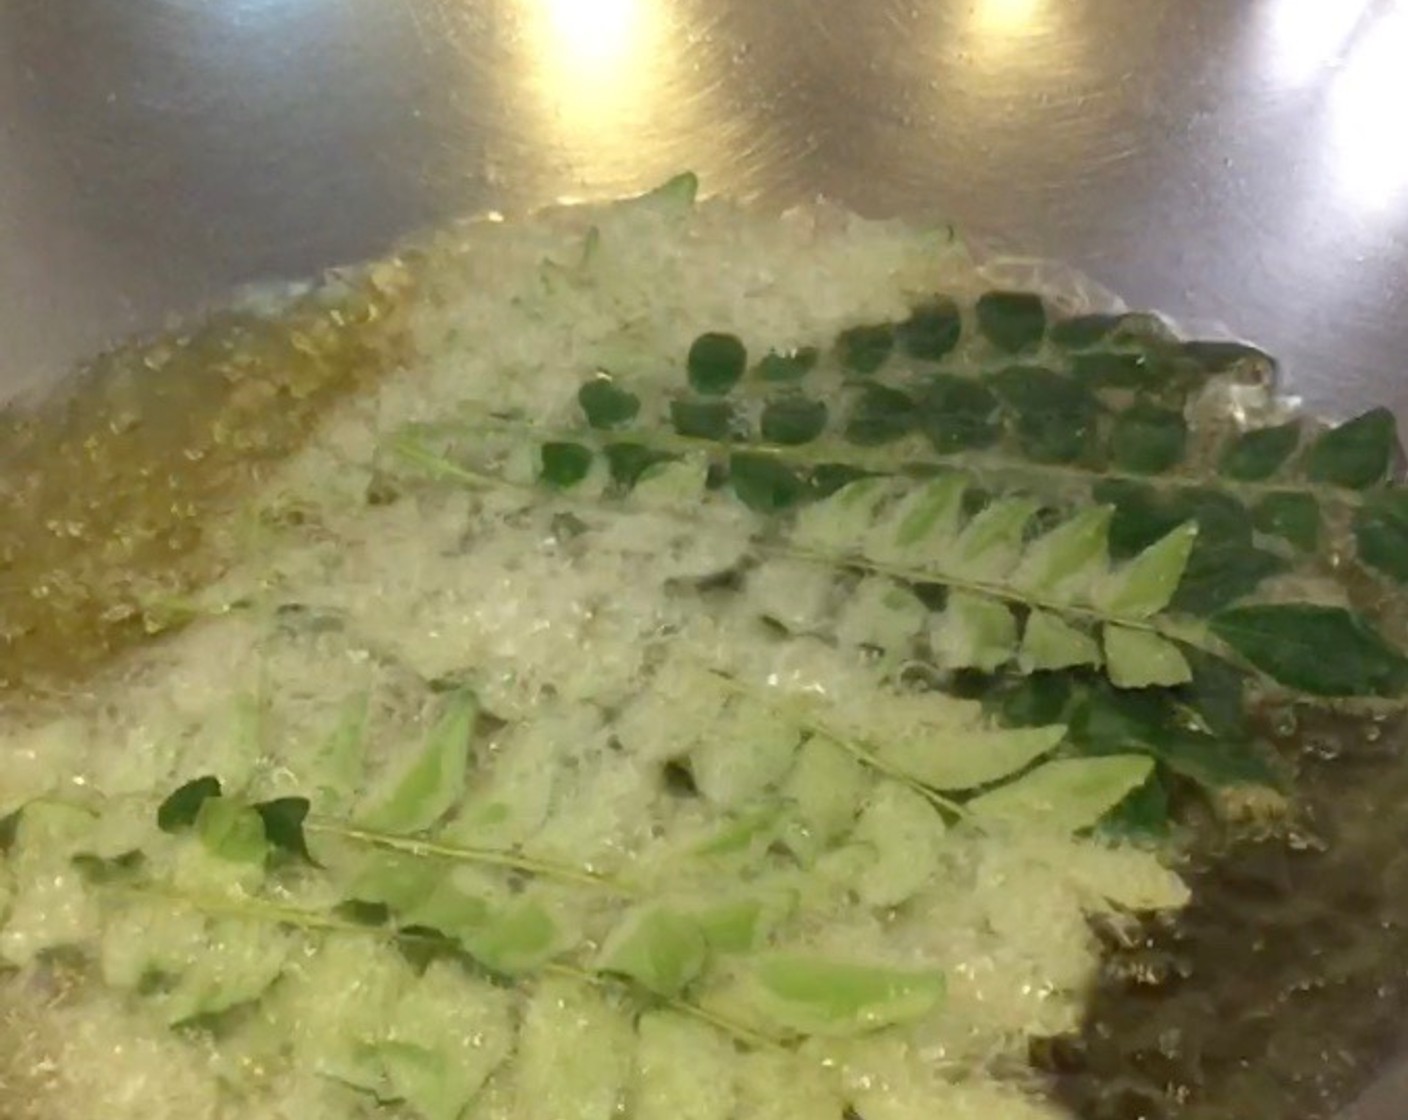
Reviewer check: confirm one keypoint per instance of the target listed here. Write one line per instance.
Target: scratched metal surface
(1234, 164)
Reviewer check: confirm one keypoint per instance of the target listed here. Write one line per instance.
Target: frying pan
(1239, 166)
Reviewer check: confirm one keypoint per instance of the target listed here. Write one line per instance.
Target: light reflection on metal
(1366, 100)
(594, 63)
(1306, 38)
(1004, 18)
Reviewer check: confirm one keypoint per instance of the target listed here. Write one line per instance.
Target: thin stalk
(432, 849)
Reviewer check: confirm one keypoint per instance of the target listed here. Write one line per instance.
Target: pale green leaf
(396, 880)
(962, 758)
(906, 835)
(928, 513)
(991, 542)
(1068, 794)
(1146, 584)
(519, 938)
(659, 949)
(1049, 642)
(974, 632)
(434, 782)
(816, 996)
(839, 523)
(449, 909)
(231, 831)
(825, 788)
(1065, 560)
(1140, 659)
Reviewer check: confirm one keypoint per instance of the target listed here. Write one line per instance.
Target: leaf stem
(432, 849)
(887, 461)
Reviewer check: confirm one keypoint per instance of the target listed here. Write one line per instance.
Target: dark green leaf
(607, 405)
(1324, 651)
(1356, 454)
(1142, 817)
(1220, 574)
(1012, 321)
(1148, 439)
(880, 415)
(1291, 514)
(790, 366)
(932, 330)
(764, 483)
(865, 349)
(1106, 370)
(1257, 454)
(628, 461)
(1081, 332)
(9, 830)
(1381, 530)
(1113, 722)
(958, 413)
(283, 825)
(1215, 694)
(1036, 700)
(793, 420)
(715, 363)
(1055, 415)
(179, 811)
(702, 419)
(565, 464)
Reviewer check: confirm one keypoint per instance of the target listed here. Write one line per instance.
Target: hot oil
(1281, 991)
(108, 489)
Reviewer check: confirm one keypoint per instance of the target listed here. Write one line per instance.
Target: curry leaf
(283, 825)
(565, 464)
(518, 939)
(1050, 643)
(962, 758)
(764, 483)
(1068, 794)
(1146, 585)
(974, 632)
(1292, 515)
(1012, 321)
(880, 415)
(1055, 415)
(607, 405)
(793, 420)
(817, 996)
(1065, 555)
(715, 363)
(932, 330)
(1324, 651)
(865, 349)
(1381, 533)
(434, 782)
(958, 413)
(702, 419)
(1140, 659)
(659, 949)
(1356, 454)
(231, 831)
(1148, 438)
(1257, 454)
(180, 809)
